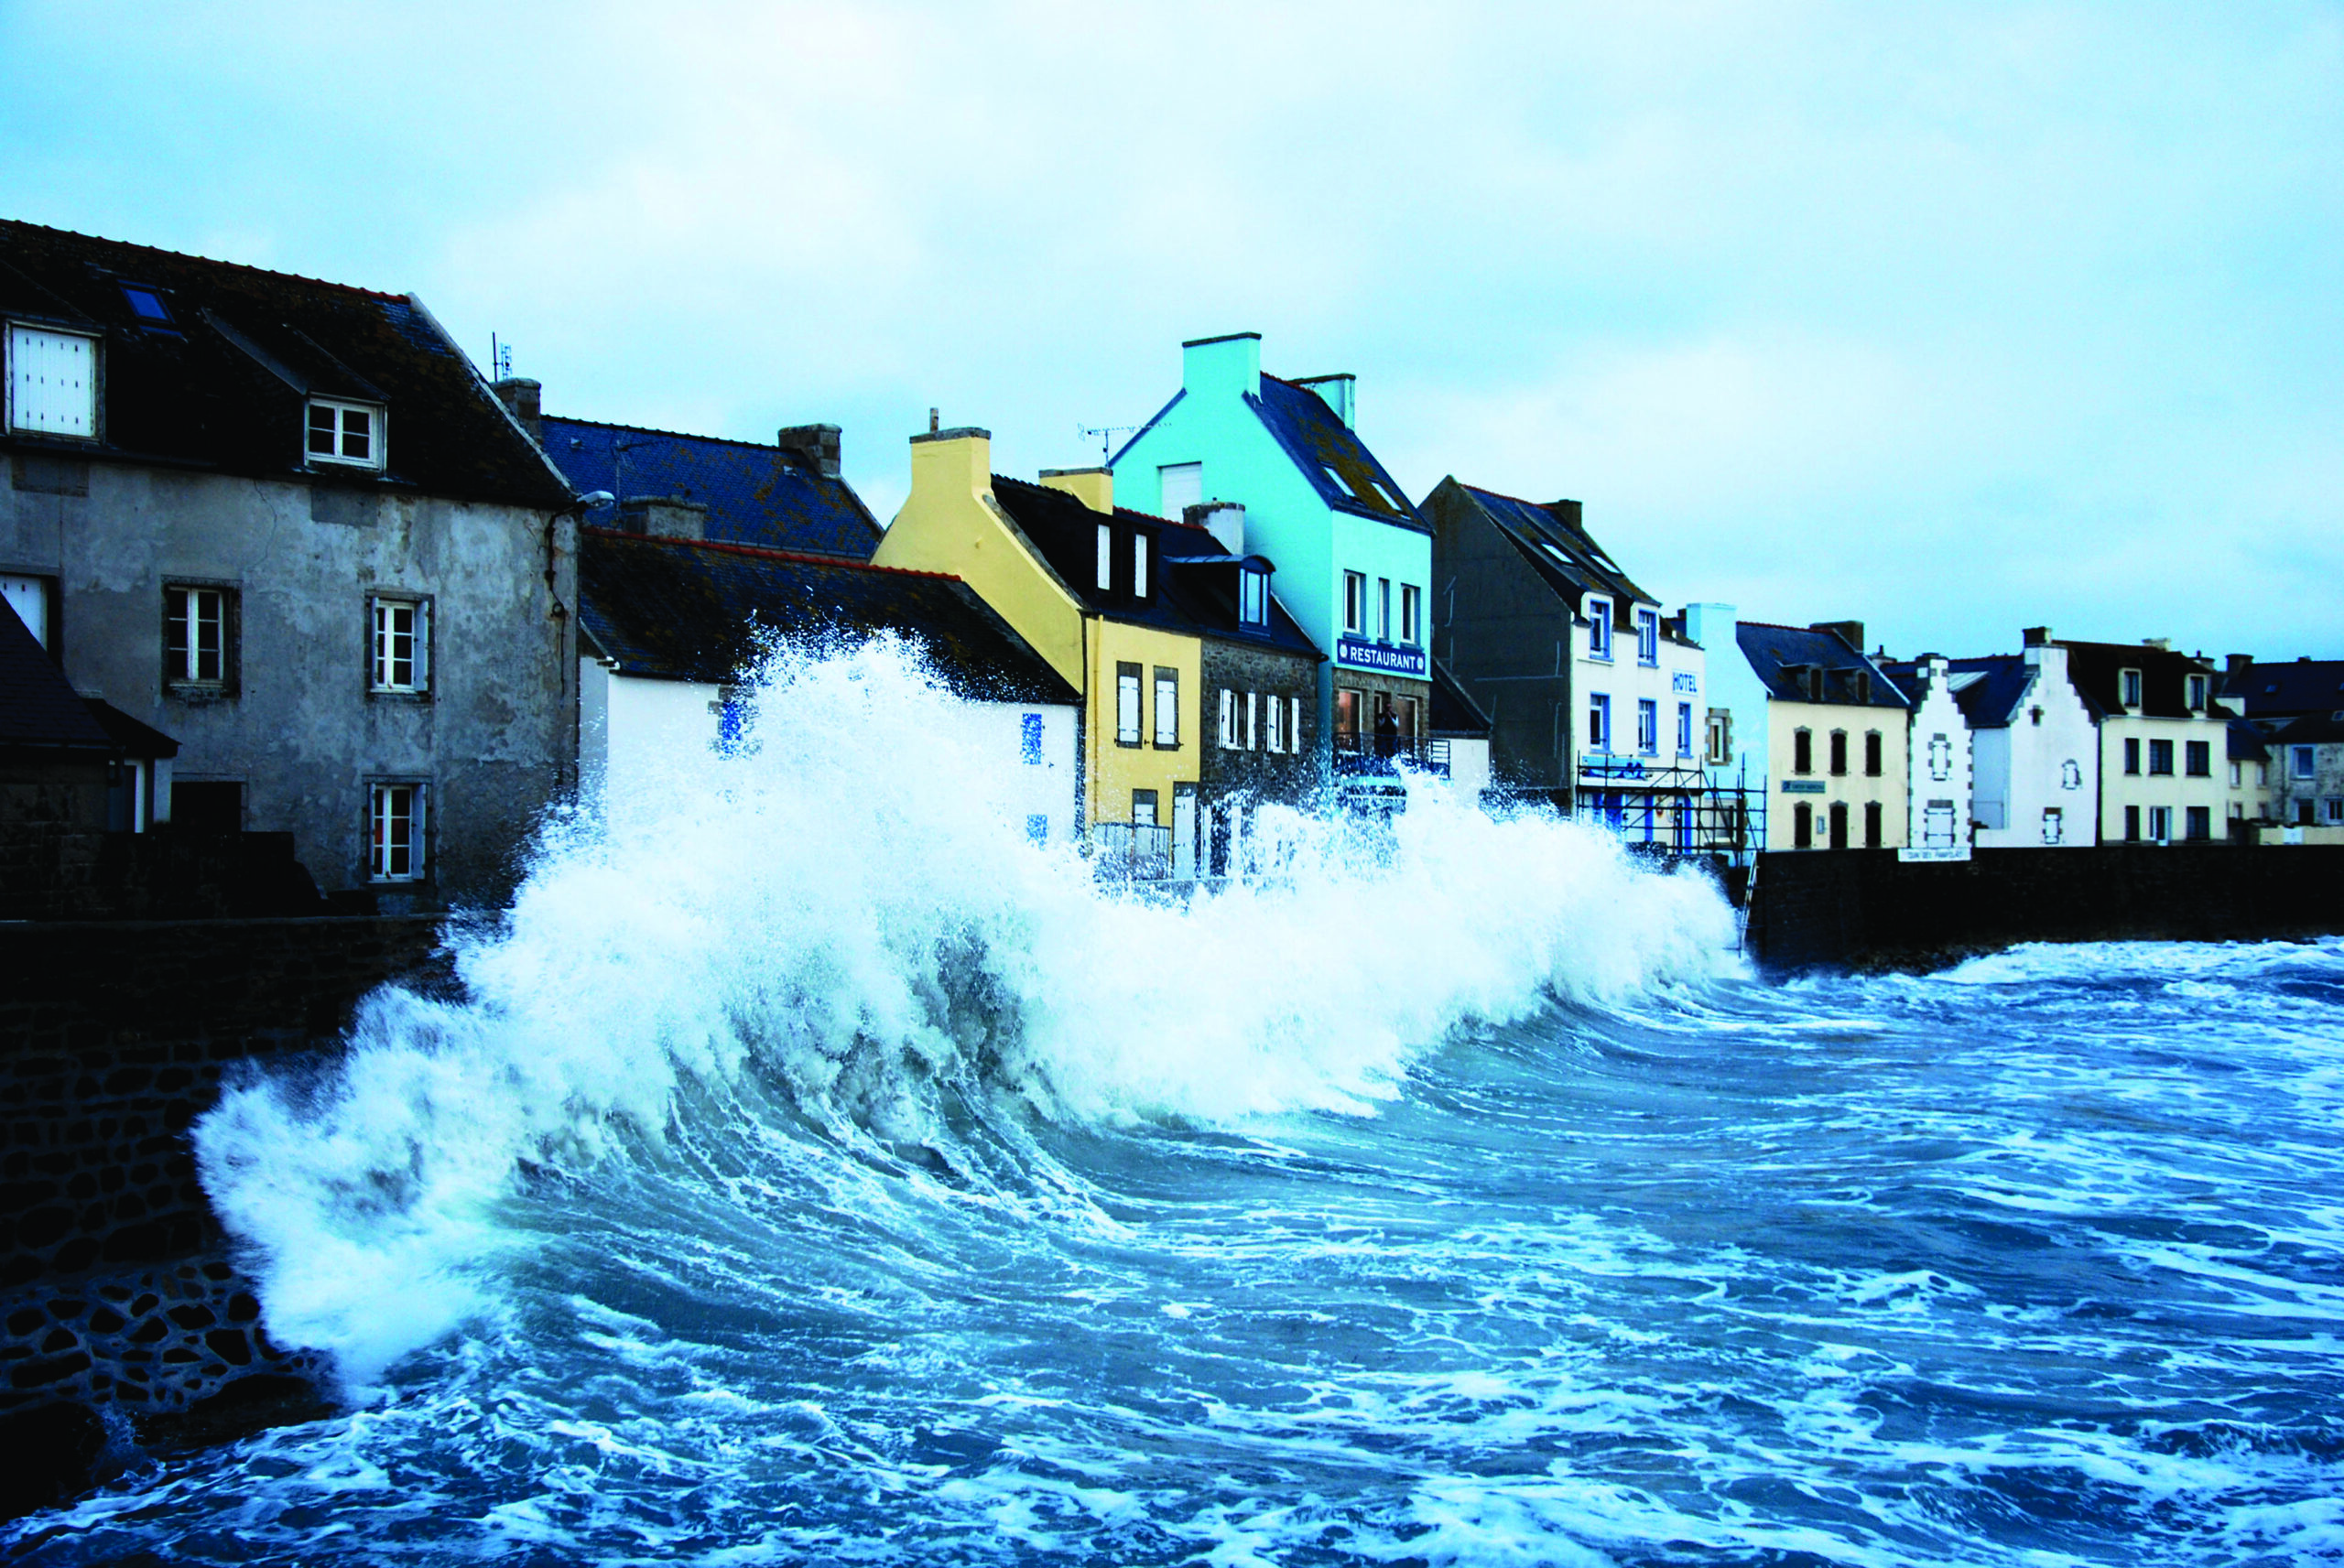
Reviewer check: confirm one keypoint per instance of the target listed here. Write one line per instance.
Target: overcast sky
(1949, 319)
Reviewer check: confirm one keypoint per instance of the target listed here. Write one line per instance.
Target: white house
(1939, 771)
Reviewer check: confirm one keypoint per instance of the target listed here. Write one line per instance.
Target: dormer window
(348, 433)
(1647, 636)
(53, 383)
(2128, 685)
(1598, 628)
(1253, 597)
(2197, 694)
(1139, 566)
(1106, 557)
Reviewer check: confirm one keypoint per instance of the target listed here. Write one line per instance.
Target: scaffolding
(1670, 808)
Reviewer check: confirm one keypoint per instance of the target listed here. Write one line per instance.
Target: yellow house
(1082, 582)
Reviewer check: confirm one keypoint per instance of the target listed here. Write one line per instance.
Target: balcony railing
(1370, 755)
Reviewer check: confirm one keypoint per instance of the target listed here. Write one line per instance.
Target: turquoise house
(1288, 477)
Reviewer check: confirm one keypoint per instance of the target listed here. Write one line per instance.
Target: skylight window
(146, 304)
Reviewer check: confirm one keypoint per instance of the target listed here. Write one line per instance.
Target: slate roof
(2269, 691)
(1202, 584)
(693, 610)
(1065, 532)
(755, 494)
(1554, 539)
(2246, 742)
(223, 383)
(2094, 669)
(1316, 441)
(1987, 690)
(1454, 711)
(38, 706)
(1776, 652)
(2310, 729)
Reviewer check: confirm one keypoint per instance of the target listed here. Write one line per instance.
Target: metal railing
(1356, 755)
(1131, 851)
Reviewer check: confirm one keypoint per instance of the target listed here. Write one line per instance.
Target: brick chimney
(1095, 488)
(664, 518)
(816, 446)
(520, 394)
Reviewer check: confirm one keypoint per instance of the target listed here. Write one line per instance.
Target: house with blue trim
(1354, 554)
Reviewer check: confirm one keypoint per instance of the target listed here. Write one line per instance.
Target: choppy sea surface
(1450, 1193)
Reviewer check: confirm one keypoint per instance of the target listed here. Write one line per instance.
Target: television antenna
(1106, 434)
(500, 357)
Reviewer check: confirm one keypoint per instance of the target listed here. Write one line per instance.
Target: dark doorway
(208, 806)
(1839, 825)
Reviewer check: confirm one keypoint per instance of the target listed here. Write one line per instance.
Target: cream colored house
(2164, 741)
(1837, 738)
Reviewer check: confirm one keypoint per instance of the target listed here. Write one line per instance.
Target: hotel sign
(1802, 786)
(1391, 658)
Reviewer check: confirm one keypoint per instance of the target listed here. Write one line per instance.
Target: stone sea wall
(117, 1286)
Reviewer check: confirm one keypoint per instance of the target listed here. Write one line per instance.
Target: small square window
(348, 433)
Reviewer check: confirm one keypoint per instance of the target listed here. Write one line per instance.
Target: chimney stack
(663, 517)
(1853, 630)
(520, 394)
(1095, 488)
(816, 446)
(2236, 663)
(1340, 393)
(1224, 520)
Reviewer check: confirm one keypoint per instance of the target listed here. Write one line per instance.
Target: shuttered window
(195, 636)
(1127, 700)
(402, 645)
(52, 382)
(1228, 720)
(396, 812)
(1167, 706)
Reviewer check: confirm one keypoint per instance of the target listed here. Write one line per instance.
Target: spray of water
(845, 909)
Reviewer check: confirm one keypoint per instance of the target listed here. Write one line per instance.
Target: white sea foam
(848, 908)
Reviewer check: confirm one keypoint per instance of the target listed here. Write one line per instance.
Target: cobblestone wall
(115, 1281)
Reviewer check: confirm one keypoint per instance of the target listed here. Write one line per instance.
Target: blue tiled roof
(37, 705)
(1774, 651)
(2306, 685)
(755, 494)
(1317, 441)
(1988, 702)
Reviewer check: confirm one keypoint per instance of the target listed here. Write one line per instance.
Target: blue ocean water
(965, 1213)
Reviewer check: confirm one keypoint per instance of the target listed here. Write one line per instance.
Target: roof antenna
(1106, 434)
(500, 357)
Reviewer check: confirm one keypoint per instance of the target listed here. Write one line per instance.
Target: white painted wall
(1937, 797)
(636, 733)
(2052, 764)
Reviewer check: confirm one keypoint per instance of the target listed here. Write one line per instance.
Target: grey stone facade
(1500, 629)
(1268, 673)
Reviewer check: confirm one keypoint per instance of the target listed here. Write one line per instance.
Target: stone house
(286, 524)
(1596, 698)
(1354, 557)
(1259, 676)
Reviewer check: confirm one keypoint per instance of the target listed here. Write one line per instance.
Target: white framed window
(1647, 726)
(1599, 722)
(1412, 614)
(1598, 628)
(1139, 566)
(196, 636)
(2127, 687)
(2331, 810)
(1355, 603)
(1228, 720)
(1167, 706)
(53, 383)
(1127, 702)
(348, 433)
(2303, 758)
(1684, 729)
(2055, 824)
(2161, 823)
(1383, 610)
(396, 841)
(2197, 693)
(1648, 636)
(1253, 597)
(1182, 486)
(1106, 557)
(2236, 769)
(1253, 718)
(1720, 738)
(402, 644)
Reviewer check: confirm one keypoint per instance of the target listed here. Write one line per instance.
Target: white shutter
(1184, 486)
(28, 597)
(1228, 720)
(52, 382)
(1106, 557)
(423, 644)
(1253, 718)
